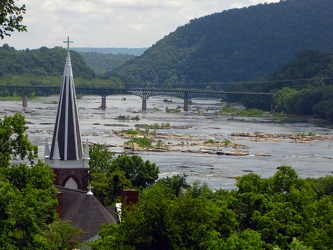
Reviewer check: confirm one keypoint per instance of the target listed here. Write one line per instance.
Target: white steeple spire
(66, 158)
(67, 129)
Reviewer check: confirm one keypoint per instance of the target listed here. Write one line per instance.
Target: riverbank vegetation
(241, 112)
(302, 87)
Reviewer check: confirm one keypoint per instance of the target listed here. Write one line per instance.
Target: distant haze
(129, 51)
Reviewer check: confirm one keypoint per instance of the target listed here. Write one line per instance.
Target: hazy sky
(110, 23)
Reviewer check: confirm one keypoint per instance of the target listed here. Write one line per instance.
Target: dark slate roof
(84, 211)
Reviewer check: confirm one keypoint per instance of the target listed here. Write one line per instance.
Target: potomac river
(262, 144)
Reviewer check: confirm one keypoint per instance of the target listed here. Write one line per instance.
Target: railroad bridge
(186, 95)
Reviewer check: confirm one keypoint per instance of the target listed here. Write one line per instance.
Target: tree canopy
(110, 175)
(44, 67)
(280, 212)
(28, 218)
(14, 141)
(11, 17)
(41, 62)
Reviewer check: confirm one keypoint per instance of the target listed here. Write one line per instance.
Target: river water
(310, 159)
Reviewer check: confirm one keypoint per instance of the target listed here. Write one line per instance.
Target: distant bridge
(186, 95)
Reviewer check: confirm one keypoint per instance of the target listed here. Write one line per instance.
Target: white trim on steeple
(46, 149)
(86, 157)
(66, 118)
(56, 155)
(86, 151)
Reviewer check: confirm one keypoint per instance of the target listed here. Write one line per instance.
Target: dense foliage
(39, 62)
(281, 212)
(27, 205)
(28, 218)
(110, 176)
(307, 85)
(11, 17)
(235, 45)
(303, 86)
(14, 143)
(44, 67)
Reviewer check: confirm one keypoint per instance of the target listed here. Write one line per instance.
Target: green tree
(283, 100)
(163, 221)
(27, 205)
(59, 235)
(280, 212)
(11, 18)
(107, 188)
(27, 194)
(109, 176)
(141, 173)
(248, 239)
(284, 179)
(14, 140)
(100, 159)
(177, 183)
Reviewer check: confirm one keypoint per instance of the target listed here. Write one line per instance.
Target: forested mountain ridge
(235, 45)
(44, 67)
(42, 62)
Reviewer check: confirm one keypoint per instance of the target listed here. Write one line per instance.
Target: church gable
(66, 155)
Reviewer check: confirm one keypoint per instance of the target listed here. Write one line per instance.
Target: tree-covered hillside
(303, 86)
(311, 93)
(44, 67)
(235, 45)
(102, 63)
(41, 62)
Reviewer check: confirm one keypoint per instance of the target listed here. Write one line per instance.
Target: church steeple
(67, 130)
(66, 155)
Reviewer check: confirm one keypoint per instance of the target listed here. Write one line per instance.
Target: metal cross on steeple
(68, 42)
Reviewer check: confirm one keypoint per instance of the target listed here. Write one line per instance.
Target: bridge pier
(185, 105)
(103, 104)
(25, 101)
(144, 103)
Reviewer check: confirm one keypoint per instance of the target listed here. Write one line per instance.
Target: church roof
(84, 211)
(66, 130)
